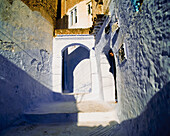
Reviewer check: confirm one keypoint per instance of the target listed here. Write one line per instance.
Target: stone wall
(47, 8)
(71, 31)
(26, 59)
(24, 27)
(100, 7)
(153, 121)
(70, 4)
(146, 68)
(18, 92)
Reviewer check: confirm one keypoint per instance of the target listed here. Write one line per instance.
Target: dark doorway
(113, 70)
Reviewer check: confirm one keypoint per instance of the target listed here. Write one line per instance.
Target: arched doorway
(76, 69)
(113, 71)
(108, 75)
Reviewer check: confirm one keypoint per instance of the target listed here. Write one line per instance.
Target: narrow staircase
(97, 24)
(67, 118)
(69, 112)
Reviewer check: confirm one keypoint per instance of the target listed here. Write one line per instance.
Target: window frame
(73, 16)
(89, 8)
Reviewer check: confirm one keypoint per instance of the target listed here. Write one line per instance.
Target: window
(73, 16)
(122, 53)
(89, 8)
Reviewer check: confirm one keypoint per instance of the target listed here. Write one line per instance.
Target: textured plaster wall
(24, 26)
(146, 70)
(48, 9)
(25, 58)
(153, 121)
(26, 39)
(18, 91)
(107, 79)
(102, 47)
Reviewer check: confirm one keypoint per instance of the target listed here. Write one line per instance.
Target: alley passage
(67, 119)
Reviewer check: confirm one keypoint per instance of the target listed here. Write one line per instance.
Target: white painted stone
(26, 60)
(107, 79)
(97, 116)
(84, 20)
(90, 77)
(82, 85)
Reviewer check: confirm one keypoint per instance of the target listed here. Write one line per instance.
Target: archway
(76, 69)
(113, 71)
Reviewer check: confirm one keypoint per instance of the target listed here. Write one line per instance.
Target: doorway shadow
(70, 61)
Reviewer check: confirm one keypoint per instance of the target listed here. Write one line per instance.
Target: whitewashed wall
(143, 79)
(82, 77)
(83, 19)
(25, 60)
(64, 41)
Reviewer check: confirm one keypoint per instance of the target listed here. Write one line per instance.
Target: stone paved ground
(73, 129)
(92, 122)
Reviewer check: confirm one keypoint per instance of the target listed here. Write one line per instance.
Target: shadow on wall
(114, 39)
(101, 30)
(155, 119)
(70, 62)
(19, 92)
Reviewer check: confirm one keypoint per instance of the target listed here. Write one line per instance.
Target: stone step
(101, 16)
(97, 26)
(106, 130)
(101, 131)
(66, 112)
(51, 118)
(59, 118)
(70, 129)
(98, 22)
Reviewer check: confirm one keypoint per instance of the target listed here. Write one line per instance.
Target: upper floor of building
(70, 14)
